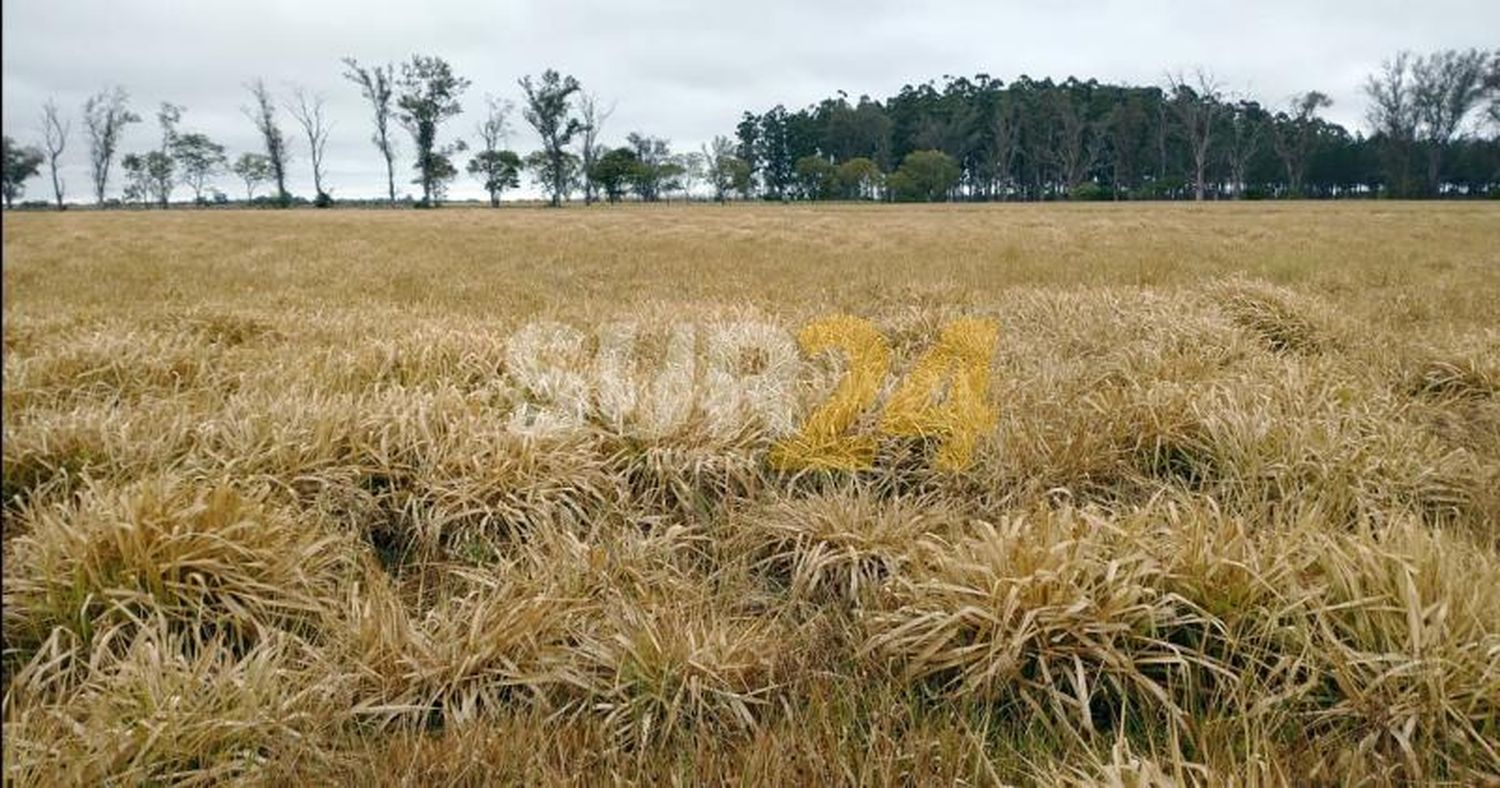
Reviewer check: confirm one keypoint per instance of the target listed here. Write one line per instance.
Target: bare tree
(494, 129)
(593, 126)
(1197, 107)
(378, 86)
(55, 137)
(105, 116)
(263, 115)
(308, 112)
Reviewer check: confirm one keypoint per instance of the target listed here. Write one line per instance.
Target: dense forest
(1433, 131)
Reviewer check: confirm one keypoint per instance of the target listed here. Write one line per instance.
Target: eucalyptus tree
(498, 169)
(549, 110)
(254, 169)
(263, 115)
(429, 93)
(378, 86)
(1295, 134)
(593, 116)
(105, 116)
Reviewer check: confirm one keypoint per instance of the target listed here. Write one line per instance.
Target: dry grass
(1239, 520)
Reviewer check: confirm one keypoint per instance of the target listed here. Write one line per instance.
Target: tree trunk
(57, 185)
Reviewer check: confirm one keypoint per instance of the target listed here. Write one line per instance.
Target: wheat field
(1236, 520)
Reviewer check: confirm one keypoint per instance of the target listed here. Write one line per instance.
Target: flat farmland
(1194, 493)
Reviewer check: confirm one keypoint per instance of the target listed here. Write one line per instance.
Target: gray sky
(674, 68)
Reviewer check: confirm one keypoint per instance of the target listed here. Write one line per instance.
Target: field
(278, 507)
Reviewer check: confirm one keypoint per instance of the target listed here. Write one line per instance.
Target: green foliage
(254, 169)
(1088, 192)
(815, 178)
(498, 170)
(925, 176)
(654, 170)
(549, 110)
(198, 159)
(429, 95)
(21, 164)
(613, 172)
(858, 179)
(560, 175)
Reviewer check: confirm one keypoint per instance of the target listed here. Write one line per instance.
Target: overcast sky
(678, 69)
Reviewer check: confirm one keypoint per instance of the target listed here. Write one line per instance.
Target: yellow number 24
(960, 358)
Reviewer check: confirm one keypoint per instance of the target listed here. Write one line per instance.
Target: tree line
(1434, 131)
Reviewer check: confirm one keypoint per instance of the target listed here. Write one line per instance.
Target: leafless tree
(105, 116)
(378, 85)
(308, 112)
(593, 126)
(494, 129)
(55, 136)
(1198, 108)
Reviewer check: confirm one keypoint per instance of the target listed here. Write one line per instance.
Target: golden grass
(267, 516)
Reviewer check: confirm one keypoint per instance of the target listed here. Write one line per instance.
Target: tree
(653, 168)
(593, 118)
(105, 116)
(254, 169)
(558, 174)
(1246, 123)
(161, 168)
(496, 168)
(429, 96)
(815, 177)
(377, 85)
(308, 112)
(719, 163)
(1197, 108)
(613, 172)
(689, 167)
(1295, 134)
(1393, 114)
(21, 164)
(549, 111)
(858, 179)
(55, 137)
(199, 159)
(1446, 86)
(137, 178)
(160, 176)
(925, 176)
(442, 171)
(263, 114)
